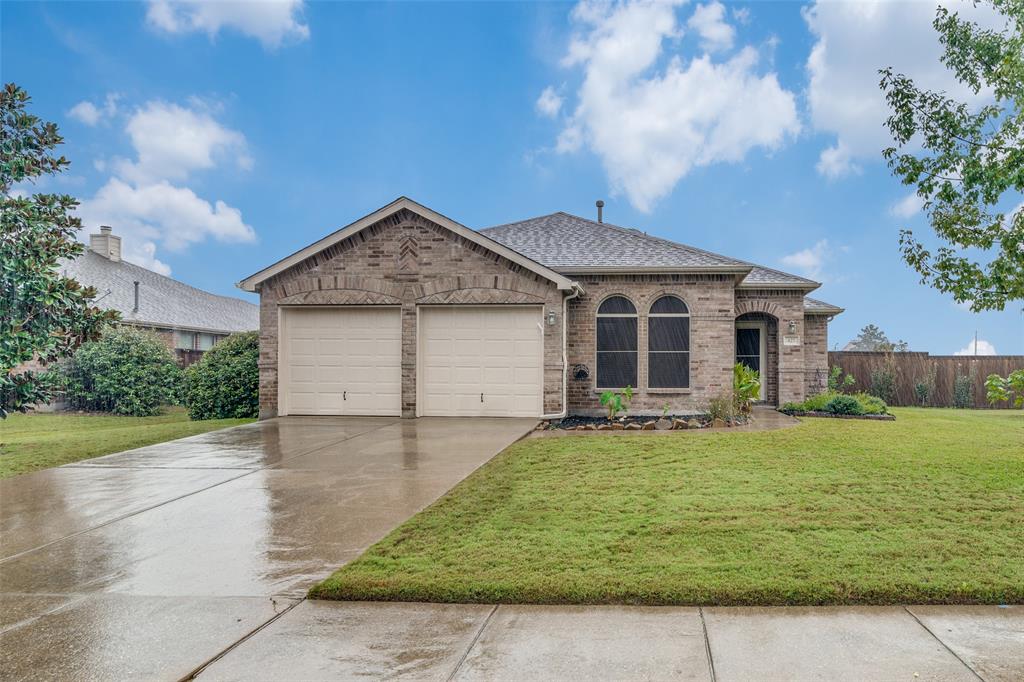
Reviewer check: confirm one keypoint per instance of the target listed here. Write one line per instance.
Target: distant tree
(871, 338)
(970, 171)
(43, 315)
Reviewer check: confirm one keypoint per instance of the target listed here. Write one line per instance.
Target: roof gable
(404, 203)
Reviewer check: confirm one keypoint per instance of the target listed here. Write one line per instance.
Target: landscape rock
(663, 424)
(617, 426)
(589, 427)
(604, 427)
(693, 424)
(648, 426)
(632, 426)
(719, 423)
(680, 424)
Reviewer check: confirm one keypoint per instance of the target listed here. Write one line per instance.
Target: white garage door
(481, 361)
(341, 361)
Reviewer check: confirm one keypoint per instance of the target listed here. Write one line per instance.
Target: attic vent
(600, 211)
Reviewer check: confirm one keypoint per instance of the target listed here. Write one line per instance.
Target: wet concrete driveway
(146, 564)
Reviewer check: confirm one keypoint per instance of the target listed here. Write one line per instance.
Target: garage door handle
(344, 395)
(481, 397)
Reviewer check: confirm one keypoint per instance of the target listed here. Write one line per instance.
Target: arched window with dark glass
(668, 344)
(616, 343)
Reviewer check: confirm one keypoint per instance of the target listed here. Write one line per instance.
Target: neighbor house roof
(813, 306)
(163, 302)
(574, 245)
(404, 203)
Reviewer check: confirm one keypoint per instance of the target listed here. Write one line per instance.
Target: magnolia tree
(44, 316)
(967, 164)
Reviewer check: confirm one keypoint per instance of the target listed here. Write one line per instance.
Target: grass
(38, 441)
(926, 509)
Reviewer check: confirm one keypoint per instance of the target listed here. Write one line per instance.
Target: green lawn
(39, 441)
(926, 509)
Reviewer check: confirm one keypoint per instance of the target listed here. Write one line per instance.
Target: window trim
(689, 334)
(597, 351)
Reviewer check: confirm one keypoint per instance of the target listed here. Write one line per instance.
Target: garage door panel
(339, 360)
(496, 351)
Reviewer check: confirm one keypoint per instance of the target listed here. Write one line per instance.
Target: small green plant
(616, 402)
(837, 381)
(844, 404)
(883, 380)
(924, 387)
(868, 404)
(664, 411)
(963, 389)
(1000, 390)
(746, 386)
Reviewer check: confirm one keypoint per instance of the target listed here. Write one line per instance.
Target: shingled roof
(573, 245)
(816, 307)
(163, 302)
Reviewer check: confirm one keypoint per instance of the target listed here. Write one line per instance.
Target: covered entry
(480, 361)
(338, 360)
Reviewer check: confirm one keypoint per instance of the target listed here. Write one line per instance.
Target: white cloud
(709, 22)
(835, 162)
(854, 39)
(741, 14)
(269, 21)
(983, 348)
(811, 261)
(549, 103)
(88, 113)
(907, 207)
(172, 141)
(140, 200)
(651, 129)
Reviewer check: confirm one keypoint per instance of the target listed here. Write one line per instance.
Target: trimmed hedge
(225, 383)
(127, 371)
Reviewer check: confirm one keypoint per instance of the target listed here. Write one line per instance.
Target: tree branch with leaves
(969, 170)
(44, 315)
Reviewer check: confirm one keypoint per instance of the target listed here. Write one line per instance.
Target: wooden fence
(911, 368)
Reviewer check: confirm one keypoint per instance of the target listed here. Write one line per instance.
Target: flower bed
(874, 417)
(675, 422)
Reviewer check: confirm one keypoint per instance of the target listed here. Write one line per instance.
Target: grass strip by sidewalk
(926, 509)
(29, 442)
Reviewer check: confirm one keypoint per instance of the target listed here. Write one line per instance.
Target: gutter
(576, 291)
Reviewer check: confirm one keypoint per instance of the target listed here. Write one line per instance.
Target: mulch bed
(572, 422)
(829, 415)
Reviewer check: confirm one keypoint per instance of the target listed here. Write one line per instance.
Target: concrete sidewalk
(318, 640)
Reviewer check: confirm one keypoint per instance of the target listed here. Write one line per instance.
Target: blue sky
(219, 138)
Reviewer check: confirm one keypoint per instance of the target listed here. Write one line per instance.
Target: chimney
(136, 308)
(600, 211)
(106, 244)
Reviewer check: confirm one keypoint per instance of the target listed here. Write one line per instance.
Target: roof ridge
(171, 279)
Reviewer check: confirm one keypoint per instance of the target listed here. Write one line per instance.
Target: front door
(750, 346)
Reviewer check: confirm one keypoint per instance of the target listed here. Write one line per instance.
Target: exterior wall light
(552, 317)
(792, 326)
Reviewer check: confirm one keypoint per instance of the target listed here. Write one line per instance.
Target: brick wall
(406, 260)
(816, 353)
(710, 300)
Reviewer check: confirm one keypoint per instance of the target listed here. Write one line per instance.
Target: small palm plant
(617, 402)
(746, 386)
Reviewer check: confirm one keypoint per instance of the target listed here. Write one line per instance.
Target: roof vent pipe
(136, 308)
(600, 211)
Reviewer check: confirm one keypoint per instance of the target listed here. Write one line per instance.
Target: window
(184, 340)
(616, 343)
(668, 344)
(205, 341)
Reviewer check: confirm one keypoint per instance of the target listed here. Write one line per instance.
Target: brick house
(189, 320)
(406, 312)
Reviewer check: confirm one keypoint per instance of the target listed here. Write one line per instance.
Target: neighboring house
(406, 312)
(189, 320)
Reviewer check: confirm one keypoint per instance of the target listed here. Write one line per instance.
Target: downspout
(576, 291)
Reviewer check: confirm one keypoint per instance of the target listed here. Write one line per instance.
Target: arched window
(668, 344)
(616, 343)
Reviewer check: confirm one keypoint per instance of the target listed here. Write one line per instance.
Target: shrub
(963, 389)
(837, 381)
(924, 387)
(722, 406)
(746, 386)
(225, 383)
(127, 371)
(844, 404)
(1003, 390)
(870, 404)
(883, 380)
(866, 404)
